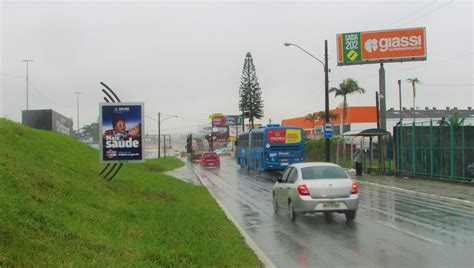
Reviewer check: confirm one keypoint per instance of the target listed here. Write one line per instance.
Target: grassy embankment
(56, 211)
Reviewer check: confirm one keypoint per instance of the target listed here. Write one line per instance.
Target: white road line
(250, 242)
(409, 233)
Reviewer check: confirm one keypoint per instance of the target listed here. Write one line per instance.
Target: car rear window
(323, 172)
(210, 155)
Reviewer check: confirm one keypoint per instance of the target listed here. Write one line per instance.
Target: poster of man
(121, 127)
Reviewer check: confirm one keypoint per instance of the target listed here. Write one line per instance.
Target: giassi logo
(393, 43)
(371, 45)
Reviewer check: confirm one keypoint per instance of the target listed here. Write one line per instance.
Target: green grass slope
(56, 211)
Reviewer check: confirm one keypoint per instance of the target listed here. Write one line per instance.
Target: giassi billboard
(381, 46)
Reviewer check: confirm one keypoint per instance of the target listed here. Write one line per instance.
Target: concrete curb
(248, 240)
(451, 200)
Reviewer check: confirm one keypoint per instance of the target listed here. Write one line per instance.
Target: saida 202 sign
(381, 46)
(121, 127)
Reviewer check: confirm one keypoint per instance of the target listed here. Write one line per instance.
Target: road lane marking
(250, 242)
(408, 232)
(415, 222)
(452, 200)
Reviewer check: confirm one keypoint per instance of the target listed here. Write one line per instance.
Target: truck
(196, 146)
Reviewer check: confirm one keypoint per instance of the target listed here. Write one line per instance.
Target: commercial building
(47, 119)
(358, 117)
(364, 117)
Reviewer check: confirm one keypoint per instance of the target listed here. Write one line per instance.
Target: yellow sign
(215, 115)
(352, 55)
(293, 136)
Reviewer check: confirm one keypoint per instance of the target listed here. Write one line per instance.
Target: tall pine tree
(250, 103)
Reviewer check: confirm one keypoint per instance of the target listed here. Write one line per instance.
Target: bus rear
(283, 146)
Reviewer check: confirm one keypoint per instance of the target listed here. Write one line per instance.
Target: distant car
(223, 151)
(316, 187)
(210, 159)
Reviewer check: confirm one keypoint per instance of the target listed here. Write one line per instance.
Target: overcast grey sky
(186, 58)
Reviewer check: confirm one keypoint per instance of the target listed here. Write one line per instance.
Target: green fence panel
(433, 150)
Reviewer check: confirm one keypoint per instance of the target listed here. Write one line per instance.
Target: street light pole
(159, 132)
(77, 99)
(326, 90)
(27, 62)
(326, 93)
(159, 136)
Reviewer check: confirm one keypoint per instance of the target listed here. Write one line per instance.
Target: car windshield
(323, 172)
(213, 155)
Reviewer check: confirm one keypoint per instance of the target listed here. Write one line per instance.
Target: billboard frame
(340, 49)
(101, 133)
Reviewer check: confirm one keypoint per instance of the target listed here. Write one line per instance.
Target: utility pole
(164, 145)
(377, 107)
(159, 133)
(326, 93)
(383, 118)
(159, 136)
(400, 128)
(400, 99)
(77, 99)
(27, 82)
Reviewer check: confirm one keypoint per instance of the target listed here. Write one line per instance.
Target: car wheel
(275, 204)
(350, 215)
(291, 212)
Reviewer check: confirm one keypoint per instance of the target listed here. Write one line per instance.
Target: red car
(210, 159)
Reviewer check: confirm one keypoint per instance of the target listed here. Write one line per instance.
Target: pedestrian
(358, 161)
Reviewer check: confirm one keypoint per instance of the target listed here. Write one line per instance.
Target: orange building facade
(364, 116)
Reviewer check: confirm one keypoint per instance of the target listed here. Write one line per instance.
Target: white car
(316, 187)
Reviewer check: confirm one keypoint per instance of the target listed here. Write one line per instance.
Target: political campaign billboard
(285, 136)
(396, 45)
(121, 127)
(226, 120)
(220, 136)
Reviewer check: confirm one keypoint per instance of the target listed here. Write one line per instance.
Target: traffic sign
(328, 130)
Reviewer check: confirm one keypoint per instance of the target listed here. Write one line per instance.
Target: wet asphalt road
(390, 230)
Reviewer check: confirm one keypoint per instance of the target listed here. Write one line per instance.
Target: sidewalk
(185, 174)
(456, 192)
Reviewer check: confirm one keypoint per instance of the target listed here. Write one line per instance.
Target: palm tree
(455, 120)
(347, 87)
(413, 82)
(91, 130)
(332, 116)
(311, 117)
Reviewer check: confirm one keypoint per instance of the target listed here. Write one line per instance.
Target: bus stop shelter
(371, 133)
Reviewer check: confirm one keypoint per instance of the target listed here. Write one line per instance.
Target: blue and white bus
(272, 147)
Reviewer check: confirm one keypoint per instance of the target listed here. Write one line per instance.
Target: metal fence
(435, 150)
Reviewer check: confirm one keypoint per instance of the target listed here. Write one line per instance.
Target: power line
(187, 117)
(448, 85)
(412, 13)
(419, 66)
(43, 95)
(424, 15)
(181, 127)
(12, 75)
(149, 117)
(437, 62)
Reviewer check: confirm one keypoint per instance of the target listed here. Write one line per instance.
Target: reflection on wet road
(391, 229)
